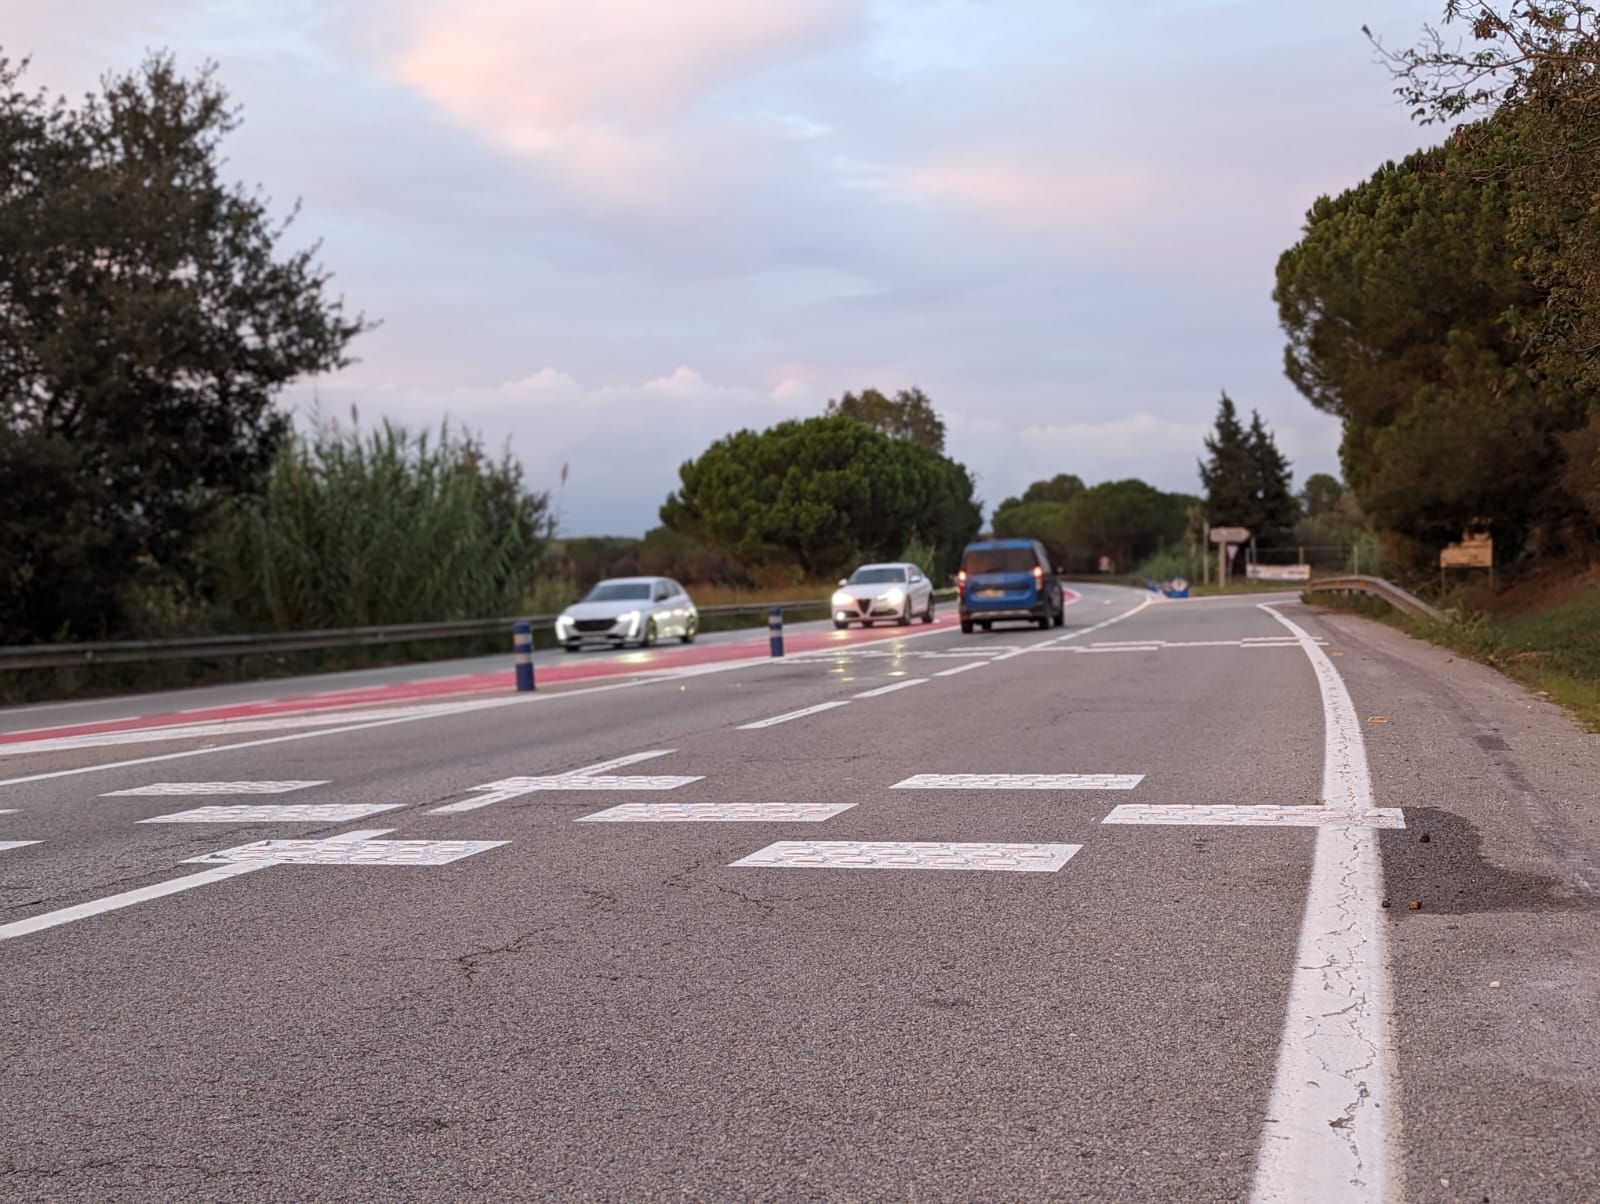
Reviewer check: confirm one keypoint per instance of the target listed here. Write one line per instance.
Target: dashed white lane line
(8, 810)
(890, 689)
(1265, 816)
(790, 716)
(16, 844)
(910, 855)
(289, 813)
(1328, 1131)
(201, 788)
(83, 911)
(1020, 781)
(670, 813)
(961, 669)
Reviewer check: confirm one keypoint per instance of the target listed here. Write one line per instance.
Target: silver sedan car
(893, 593)
(629, 610)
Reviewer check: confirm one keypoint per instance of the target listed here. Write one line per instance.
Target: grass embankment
(1548, 639)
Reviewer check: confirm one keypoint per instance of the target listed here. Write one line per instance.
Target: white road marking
(890, 689)
(349, 851)
(960, 669)
(8, 810)
(1328, 1130)
(83, 911)
(668, 813)
(288, 813)
(16, 844)
(1020, 781)
(1267, 816)
(194, 788)
(911, 855)
(790, 716)
(590, 777)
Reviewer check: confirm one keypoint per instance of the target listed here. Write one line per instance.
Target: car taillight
(961, 578)
(1038, 573)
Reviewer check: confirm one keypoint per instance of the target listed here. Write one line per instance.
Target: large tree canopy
(821, 494)
(1403, 303)
(147, 320)
(1125, 520)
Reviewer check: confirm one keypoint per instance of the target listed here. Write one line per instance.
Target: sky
(613, 231)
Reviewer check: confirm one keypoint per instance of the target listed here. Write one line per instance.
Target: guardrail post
(775, 630)
(522, 646)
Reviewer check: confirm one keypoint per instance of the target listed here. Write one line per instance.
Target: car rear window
(998, 560)
(619, 591)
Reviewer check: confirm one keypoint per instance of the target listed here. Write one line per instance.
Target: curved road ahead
(1120, 911)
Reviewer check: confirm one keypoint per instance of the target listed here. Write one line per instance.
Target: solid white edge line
(83, 911)
(802, 713)
(1333, 1115)
(890, 689)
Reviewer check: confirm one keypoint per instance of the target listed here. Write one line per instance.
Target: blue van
(1008, 579)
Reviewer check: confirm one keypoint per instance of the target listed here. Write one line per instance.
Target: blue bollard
(522, 645)
(775, 630)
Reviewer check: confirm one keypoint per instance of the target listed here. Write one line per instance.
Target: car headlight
(563, 626)
(894, 597)
(843, 599)
(632, 621)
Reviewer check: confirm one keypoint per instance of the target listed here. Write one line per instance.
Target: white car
(894, 593)
(629, 610)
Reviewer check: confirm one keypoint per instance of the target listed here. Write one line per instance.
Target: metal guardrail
(1377, 587)
(122, 652)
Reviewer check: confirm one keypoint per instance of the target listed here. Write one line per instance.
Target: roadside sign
(1230, 534)
(1279, 572)
(1105, 564)
(1473, 552)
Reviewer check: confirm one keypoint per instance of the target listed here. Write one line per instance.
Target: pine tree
(1276, 508)
(1229, 471)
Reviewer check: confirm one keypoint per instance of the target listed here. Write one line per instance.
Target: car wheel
(905, 615)
(1045, 620)
(569, 647)
(966, 626)
(1061, 615)
(648, 639)
(841, 625)
(927, 615)
(689, 632)
(987, 625)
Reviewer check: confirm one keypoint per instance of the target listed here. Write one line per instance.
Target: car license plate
(991, 593)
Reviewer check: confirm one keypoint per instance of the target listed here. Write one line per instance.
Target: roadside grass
(1555, 651)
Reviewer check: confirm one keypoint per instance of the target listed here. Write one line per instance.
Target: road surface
(1119, 911)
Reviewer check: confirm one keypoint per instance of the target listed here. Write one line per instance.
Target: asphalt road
(1170, 955)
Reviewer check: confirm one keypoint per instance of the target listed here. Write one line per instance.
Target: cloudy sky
(614, 230)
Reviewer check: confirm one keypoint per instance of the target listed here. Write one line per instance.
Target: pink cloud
(591, 91)
(1034, 197)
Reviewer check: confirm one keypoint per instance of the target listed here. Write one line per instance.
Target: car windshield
(620, 591)
(877, 576)
(998, 560)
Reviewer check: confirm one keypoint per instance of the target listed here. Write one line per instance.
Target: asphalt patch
(1437, 861)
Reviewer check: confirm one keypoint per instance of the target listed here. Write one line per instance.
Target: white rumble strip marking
(1267, 816)
(1328, 1131)
(1020, 781)
(910, 855)
(196, 788)
(288, 813)
(590, 777)
(677, 813)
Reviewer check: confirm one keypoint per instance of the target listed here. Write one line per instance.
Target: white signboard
(1279, 572)
(1230, 534)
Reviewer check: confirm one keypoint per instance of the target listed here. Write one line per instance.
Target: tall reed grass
(383, 525)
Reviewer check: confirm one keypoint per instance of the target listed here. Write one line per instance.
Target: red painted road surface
(646, 660)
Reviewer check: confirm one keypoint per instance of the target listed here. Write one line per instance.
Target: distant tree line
(1447, 309)
(1127, 521)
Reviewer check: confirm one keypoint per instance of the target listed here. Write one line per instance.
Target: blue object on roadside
(1178, 587)
(775, 630)
(522, 646)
